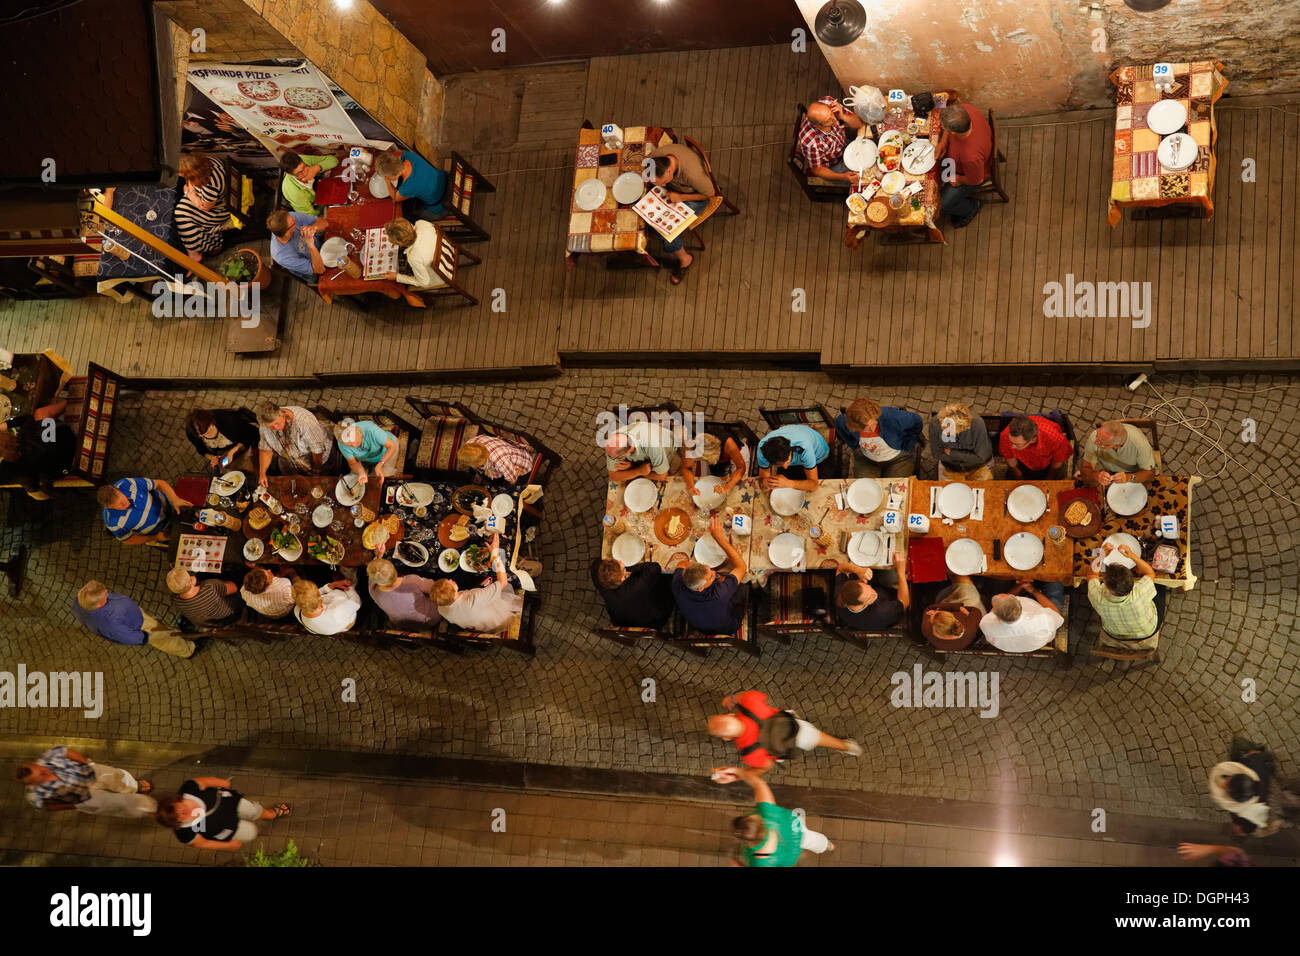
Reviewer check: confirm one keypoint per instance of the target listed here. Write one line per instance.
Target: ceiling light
(1145, 6)
(343, 4)
(840, 22)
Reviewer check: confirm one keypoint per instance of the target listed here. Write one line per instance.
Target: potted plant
(288, 857)
(245, 265)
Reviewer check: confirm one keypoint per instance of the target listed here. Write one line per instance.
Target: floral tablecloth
(611, 227)
(672, 557)
(1138, 179)
(1168, 495)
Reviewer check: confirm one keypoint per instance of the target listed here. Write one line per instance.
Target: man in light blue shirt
(295, 243)
(364, 443)
(791, 446)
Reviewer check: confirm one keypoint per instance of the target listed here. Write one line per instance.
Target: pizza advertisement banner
(285, 107)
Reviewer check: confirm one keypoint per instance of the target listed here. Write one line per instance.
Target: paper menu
(379, 255)
(201, 552)
(667, 219)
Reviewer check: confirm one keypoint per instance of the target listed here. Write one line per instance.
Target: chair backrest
(439, 408)
(446, 258)
(704, 158)
(738, 429)
(1147, 425)
(795, 159)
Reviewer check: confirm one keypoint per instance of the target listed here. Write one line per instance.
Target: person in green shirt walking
(299, 185)
(770, 835)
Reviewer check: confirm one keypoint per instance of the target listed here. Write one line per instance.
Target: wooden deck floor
(1221, 291)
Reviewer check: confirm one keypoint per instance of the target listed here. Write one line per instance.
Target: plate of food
(640, 495)
(411, 553)
(708, 552)
(308, 97)
(892, 182)
(956, 500)
(286, 545)
(1126, 499)
(787, 501)
(322, 516)
(413, 494)
(918, 157)
(878, 211)
(708, 497)
(672, 525)
(864, 495)
(628, 548)
(476, 559)
(254, 548)
(464, 498)
(860, 154)
(230, 482)
(349, 490)
(589, 195)
(258, 518)
(1026, 503)
(325, 549)
(1081, 517)
(1023, 551)
(857, 203)
(890, 150)
(503, 505)
(449, 560)
(453, 530)
(373, 535)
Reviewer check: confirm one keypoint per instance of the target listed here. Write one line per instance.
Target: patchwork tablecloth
(1169, 495)
(922, 210)
(611, 227)
(1138, 178)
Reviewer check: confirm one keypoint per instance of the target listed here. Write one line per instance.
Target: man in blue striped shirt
(138, 510)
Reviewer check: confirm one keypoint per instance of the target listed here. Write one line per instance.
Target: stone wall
(1029, 56)
(356, 48)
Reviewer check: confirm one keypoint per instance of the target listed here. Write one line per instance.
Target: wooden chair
(820, 420)
(1149, 425)
(995, 424)
(446, 263)
(741, 428)
(909, 627)
(401, 429)
(632, 636)
(1136, 656)
(449, 424)
(1059, 647)
(518, 635)
(993, 185)
(814, 187)
(796, 603)
(716, 201)
(699, 643)
(464, 182)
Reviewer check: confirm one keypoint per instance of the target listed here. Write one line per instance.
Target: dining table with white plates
(1156, 516)
(661, 522)
(1003, 529)
(844, 519)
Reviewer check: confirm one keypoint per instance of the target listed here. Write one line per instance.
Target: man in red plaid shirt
(497, 457)
(823, 136)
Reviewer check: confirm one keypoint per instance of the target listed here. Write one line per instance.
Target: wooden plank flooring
(1221, 291)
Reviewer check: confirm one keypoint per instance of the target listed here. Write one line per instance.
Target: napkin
(925, 560)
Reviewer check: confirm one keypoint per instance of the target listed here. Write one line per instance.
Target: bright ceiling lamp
(840, 22)
(1145, 6)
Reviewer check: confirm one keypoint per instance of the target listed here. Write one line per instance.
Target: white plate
(1128, 498)
(254, 548)
(1185, 156)
(413, 494)
(1027, 503)
(860, 154)
(1115, 557)
(232, 481)
(865, 496)
(628, 188)
(322, 516)
(502, 505)
(867, 549)
(956, 500)
(785, 550)
(449, 561)
(294, 553)
(628, 548)
(378, 187)
(886, 138)
(589, 194)
(708, 552)
(892, 183)
(640, 495)
(787, 501)
(1167, 116)
(421, 553)
(708, 497)
(332, 250)
(965, 556)
(918, 157)
(1023, 551)
(348, 498)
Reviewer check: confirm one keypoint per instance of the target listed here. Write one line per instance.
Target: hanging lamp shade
(840, 22)
(1145, 6)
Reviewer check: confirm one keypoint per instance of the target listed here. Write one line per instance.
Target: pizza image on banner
(263, 90)
(308, 98)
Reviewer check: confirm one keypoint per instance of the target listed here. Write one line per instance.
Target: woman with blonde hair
(202, 215)
(960, 444)
(721, 453)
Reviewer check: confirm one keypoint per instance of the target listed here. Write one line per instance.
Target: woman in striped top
(202, 213)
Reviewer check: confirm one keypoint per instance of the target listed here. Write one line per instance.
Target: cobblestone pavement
(1131, 740)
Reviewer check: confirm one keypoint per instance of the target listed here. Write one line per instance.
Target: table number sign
(897, 101)
(1162, 74)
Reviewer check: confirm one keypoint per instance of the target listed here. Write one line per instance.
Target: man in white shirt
(328, 610)
(488, 609)
(268, 595)
(1022, 624)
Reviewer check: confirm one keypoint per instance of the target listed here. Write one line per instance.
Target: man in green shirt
(299, 186)
(770, 835)
(1117, 453)
(1129, 604)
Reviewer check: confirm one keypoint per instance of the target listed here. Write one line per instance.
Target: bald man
(642, 450)
(1115, 454)
(823, 136)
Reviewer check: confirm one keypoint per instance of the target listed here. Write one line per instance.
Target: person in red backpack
(766, 735)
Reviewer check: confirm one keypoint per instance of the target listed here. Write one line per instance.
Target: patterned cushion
(440, 440)
(794, 598)
(721, 639)
(511, 633)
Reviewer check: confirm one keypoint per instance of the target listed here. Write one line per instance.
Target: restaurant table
(918, 212)
(153, 209)
(672, 557)
(1168, 495)
(36, 378)
(349, 219)
(1138, 179)
(996, 524)
(819, 510)
(611, 228)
